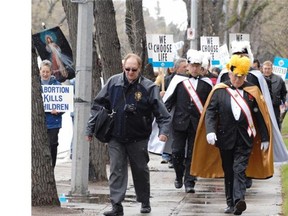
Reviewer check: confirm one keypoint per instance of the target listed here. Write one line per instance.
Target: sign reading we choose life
(58, 97)
(211, 45)
(160, 48)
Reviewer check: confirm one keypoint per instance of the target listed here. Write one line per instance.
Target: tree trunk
(107, 38)
(135, 29)
(209, 17)
(98, 157)
(97, 151)
(44, 191)
(71, 11)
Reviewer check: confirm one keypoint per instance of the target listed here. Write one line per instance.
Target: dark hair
(257, 62)
(216, 69)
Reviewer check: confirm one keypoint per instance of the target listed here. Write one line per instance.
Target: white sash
(193, 94)
(244, 107)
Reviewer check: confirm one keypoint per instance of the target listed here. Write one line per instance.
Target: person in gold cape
(233, 139)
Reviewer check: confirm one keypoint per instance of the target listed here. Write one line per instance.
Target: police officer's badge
(138, 96)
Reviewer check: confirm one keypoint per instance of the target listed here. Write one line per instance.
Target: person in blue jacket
(53, 119)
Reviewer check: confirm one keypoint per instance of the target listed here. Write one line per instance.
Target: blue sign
(281, 62)
(215, 62)
(280, 66)
(163, 64)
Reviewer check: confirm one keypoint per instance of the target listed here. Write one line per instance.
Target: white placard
(58, 97)
(210, 45)
(162, 50)
(238, 37)
(224, 56)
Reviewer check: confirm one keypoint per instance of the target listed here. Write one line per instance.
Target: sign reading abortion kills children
(58, 97)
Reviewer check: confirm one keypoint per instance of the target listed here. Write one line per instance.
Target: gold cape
(206, 160)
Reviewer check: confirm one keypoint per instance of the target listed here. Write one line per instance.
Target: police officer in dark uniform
(137, 102)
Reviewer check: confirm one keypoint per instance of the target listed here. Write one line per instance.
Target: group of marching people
(223, 126)
(213, 126)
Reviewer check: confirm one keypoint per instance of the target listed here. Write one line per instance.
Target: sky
(173, 11)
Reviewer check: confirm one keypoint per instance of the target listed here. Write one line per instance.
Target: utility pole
(82, 101)
(194, 20)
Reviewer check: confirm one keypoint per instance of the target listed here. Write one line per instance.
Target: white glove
(211, 138)
(264, 145)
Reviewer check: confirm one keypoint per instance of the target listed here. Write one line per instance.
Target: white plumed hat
(206, 60)
(194, 56)
(239, 47)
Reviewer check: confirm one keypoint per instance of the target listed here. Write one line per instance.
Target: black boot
(117, 210)
(179, 168)
(145, 207)
(229, 197)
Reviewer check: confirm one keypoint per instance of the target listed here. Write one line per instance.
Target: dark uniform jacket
(220, 119)
(206, 160)
(185, 109)
(278, 89)
(136, 104)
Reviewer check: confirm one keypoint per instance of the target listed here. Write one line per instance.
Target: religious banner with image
(52, 45)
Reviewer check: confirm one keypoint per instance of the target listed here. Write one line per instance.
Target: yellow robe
(206, 160)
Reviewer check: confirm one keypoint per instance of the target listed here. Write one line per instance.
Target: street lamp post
(82, 101)
(194, 14)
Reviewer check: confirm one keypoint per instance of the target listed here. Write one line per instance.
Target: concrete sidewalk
(263, 198)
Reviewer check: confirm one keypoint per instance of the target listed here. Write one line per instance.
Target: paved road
(263, 198)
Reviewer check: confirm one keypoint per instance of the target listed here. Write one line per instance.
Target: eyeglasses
(131, 69)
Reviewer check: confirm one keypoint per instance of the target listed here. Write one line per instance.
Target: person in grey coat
(278, 89)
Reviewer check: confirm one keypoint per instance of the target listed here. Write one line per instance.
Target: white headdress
(194, 56)
(238, 47)
(206, 60)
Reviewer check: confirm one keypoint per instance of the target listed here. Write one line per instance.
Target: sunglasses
(131, 69)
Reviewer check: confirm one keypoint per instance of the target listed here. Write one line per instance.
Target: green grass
(284, 173)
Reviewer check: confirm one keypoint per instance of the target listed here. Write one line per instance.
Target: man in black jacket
(187, 100)
(278, 89)
(229, 121)
(135, 101)
(180, 67)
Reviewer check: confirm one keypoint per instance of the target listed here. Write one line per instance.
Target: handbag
(104, 124)
(104, 121)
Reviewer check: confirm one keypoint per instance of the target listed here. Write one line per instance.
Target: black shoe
(164, 161)
(189, 189)
(240, 206)
(229, 210)
(145, 208)
(178, 183)
(117, 210)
